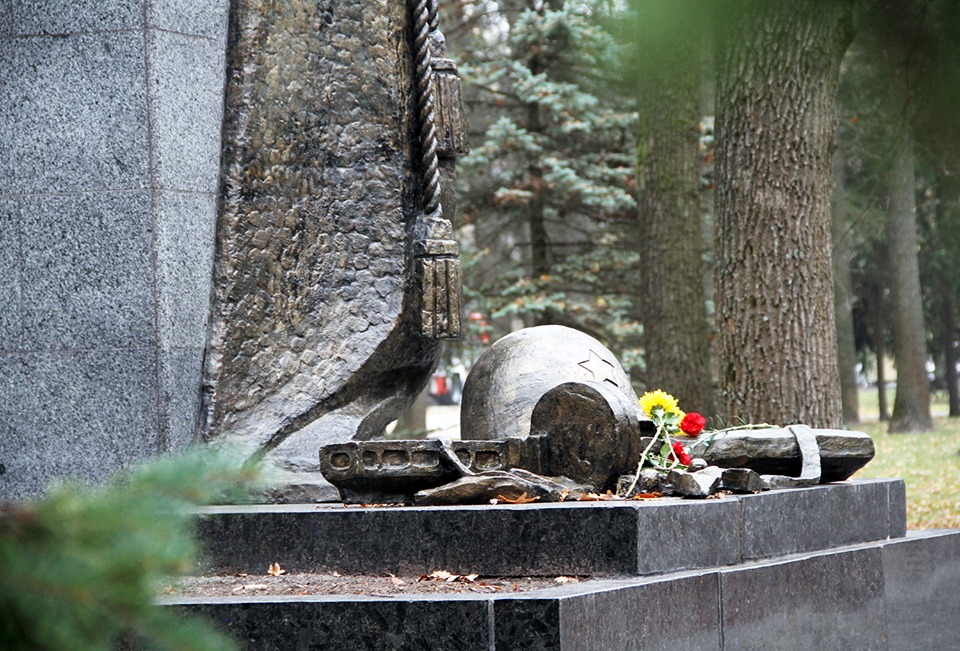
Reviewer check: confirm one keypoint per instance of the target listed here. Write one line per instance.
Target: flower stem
(643, 457)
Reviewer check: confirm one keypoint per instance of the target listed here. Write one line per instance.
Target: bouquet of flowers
(663, 453)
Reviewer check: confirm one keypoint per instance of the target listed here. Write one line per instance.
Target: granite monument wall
(110, 122)
(219, 220)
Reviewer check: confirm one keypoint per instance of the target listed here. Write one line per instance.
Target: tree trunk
(672, 300)
(911, 404)
(846, 345)
(882, 408)
(948, 306)
(777, 86)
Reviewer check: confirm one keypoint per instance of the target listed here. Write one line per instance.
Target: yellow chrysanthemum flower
(653, 399)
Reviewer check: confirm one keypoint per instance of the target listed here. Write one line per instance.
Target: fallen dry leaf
(646, 496)
(251, 586)
(276, 570)
(522, 499)
(396, 581)
(448, 577)
(563, 494)
(599, 497)
(567, 579)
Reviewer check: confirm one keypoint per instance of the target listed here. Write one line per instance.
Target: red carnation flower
(681, 453)
(692, 424)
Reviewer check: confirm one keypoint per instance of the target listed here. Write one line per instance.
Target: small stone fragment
(697, 464)
(516, 484)
(651, 481)
(695, 484)
(741, 480)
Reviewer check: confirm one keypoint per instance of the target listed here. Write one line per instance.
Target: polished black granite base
(819, 568)
(581, 538)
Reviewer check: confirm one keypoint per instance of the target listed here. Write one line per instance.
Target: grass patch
(928, 463)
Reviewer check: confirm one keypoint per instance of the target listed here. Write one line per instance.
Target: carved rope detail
(437, 263)
(423, 10)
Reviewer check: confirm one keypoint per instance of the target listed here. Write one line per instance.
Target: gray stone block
(897, 512)
(83, 414)
(669, 535)
(198, 17)
(574, 538)
(673, 614)
(826, 601)
(73, 113)
(6, 18)
(180, 375)
(186, 110)
(921, 574)
(74, 16)
(10, 305)
(788, 521)
(360, 624)
(87, 271)
(532, 623)
(549, 539)
(185, 231)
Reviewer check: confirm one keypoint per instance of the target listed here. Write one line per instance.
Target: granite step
(892, 594)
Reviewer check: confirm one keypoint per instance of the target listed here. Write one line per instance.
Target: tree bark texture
(911, 405)
(672, 297)
(842, 300)
(777, 85)
(948, 325)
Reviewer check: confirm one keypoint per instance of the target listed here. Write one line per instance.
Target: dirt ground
(438, 582)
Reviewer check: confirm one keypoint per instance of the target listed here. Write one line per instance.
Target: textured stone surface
(591, 431)
(73, 112)
(921, 574)
(106, 277)
(86, 271)
(57, 17)
(799, 520)
(741, 480)
(658, 614)
(58, 418)
(186, 111)
(509, 379)
(199, 17)
(702, 483)
(184, 262)
(319, 194)
(776, 451)
(826, 601)
(179, 397)
(669, 534)
(516, 485)
(11, 323)
(353, 625)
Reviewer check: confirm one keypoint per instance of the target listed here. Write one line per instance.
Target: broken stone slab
(775, 451)
(516, 485)
(702, 483)
(741, 480)
(650, 481)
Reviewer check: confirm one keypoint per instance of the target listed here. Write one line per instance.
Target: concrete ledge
(578, 538)
(895, 594)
